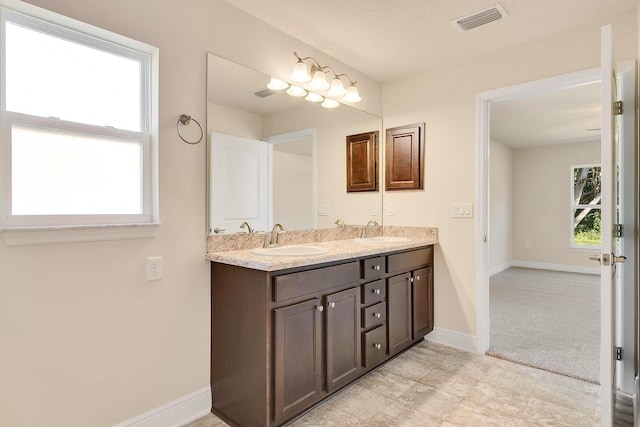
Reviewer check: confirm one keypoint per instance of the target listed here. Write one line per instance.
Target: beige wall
(500, 204)
(445, 99)
(292, 198)
(84, 339)
(541, 202)
(234, 122)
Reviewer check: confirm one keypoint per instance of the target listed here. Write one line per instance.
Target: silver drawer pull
(376, 291)
(377, 346)
(417, 277)
(375, 267)
(332, 304)
(378, 315)
(319, 308)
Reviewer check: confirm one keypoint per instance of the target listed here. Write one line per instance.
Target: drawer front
(374, 315)
(374, 292)
(372, 268)
(374, 346)
(399, 263)
(312, 281)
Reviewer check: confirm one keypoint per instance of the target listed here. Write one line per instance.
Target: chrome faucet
(273, 237)
(246, 224)
(365, 230)
(340, 223)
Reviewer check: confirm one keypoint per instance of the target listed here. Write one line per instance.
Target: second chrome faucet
(271, 239)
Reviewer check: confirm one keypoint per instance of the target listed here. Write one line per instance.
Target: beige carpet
(548, 320)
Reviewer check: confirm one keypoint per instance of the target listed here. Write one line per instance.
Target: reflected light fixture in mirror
(330, 103)
(275, 84)
(296, 91)
(314, 97)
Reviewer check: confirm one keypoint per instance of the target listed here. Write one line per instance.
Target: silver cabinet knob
(319, 308)
(377, 315)
(376, 291)
(218, 230)
(417, 277)
(377, 346)
(332, 304)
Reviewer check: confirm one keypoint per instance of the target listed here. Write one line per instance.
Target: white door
(238, 183)
(610, 258)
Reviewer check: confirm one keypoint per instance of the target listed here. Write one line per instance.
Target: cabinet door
(404, 168)
(343, 337)
(422, 292)
(399, 312)
(298, 358)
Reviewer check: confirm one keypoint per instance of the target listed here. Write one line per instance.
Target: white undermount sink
(290, 250)
(382, 240)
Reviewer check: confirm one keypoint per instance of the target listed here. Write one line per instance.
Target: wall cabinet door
(404, 168)
(422, 293)
(399, 312)
(298, 358)
(343, 337)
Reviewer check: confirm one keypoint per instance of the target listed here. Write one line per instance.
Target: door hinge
(617, 230)
(617, 108)
(618, 353)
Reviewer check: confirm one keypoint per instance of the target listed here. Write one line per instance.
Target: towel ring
(185, 120)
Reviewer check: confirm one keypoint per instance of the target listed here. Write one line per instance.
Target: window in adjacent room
(586, 197)
(77, 113)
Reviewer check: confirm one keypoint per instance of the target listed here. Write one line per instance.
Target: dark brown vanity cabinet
(283, 341)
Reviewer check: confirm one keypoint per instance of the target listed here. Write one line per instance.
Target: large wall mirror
(274, 158)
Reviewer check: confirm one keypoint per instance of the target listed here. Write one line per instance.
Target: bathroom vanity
(287, 332)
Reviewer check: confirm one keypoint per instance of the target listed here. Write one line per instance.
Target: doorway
(484, 232)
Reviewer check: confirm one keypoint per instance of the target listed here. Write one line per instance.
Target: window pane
(51, 77)
(586, 185)
(57, 172)
(586, 227)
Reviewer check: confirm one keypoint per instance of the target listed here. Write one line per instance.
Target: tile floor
(435, 385)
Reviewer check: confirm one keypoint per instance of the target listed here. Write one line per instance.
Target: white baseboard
(453, 339)
(499, 268)
(556, 267)
(176, 413)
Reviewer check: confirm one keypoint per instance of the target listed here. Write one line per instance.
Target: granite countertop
(338, 250)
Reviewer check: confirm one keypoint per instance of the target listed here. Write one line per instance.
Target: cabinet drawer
(374, 315)
(372, 268)
(313, 281)
(373, 292)
(405, 261)
(374, 346)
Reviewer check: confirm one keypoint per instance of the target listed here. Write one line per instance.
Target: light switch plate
(462, 210)
(324, 210)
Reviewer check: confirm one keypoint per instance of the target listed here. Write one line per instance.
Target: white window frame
(574, 207)
(34, 229)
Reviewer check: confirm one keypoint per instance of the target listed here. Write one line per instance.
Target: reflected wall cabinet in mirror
(292, 151)
(362, 162)
(404, 154)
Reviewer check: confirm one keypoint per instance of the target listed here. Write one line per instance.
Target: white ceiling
(389, 39)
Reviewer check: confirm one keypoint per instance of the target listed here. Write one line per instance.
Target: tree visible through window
(586, 205)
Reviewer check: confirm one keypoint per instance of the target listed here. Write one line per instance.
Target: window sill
(20, 236)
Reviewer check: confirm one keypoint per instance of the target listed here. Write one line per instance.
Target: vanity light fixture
(318, 80)
(314, 97)
(330, 103)
(276, 84)
(296, 91)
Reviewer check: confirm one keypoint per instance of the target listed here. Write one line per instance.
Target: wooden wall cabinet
(404, 158)
(283, 341)
(362, 162)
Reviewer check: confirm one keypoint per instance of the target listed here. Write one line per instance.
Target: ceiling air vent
(482, 17)
(264, 93)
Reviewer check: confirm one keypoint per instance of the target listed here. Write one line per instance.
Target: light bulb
(276, 84)
(319, 81)
(314, 97)
(337, 89)
(330, 103)
(300, 73)
(352, 94)
(296, 91)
